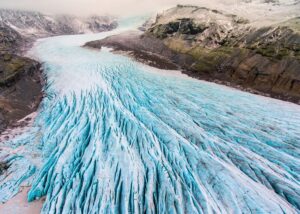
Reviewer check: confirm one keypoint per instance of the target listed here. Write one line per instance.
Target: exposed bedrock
(211, 45)
(20, 79)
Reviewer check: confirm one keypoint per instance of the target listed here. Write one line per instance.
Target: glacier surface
(116, 136)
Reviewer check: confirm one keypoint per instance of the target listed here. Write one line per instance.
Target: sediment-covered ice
(114, 136)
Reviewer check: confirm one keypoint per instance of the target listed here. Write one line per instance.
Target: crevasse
(115, 136)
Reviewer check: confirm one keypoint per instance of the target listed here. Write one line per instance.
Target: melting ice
(115, 136)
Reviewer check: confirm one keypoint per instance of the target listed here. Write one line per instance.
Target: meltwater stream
(116, 136)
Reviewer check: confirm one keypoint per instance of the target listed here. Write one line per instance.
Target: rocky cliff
(20, 86)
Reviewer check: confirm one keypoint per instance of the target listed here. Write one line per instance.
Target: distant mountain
(36, 24)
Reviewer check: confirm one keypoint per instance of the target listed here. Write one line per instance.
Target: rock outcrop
(20, 82)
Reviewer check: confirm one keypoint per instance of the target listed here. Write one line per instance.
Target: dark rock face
(187, 26)
(3, 167)
(20, 86)
(184, 26)
(243, 67)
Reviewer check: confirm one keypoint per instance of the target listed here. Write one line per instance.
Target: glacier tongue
(120, 137)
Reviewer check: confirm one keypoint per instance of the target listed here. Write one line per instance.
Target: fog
(87, 7)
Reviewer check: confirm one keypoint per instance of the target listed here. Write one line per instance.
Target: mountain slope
(217, 46)
(20, 82)
(227, 48)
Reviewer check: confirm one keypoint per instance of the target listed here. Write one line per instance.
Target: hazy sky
(86, 7)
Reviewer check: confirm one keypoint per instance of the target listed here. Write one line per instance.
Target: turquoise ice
(116, 136)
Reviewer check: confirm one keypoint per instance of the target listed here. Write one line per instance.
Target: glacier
(115, 136)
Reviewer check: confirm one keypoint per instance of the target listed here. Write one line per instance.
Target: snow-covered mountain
(258, 12)
(37, 24)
